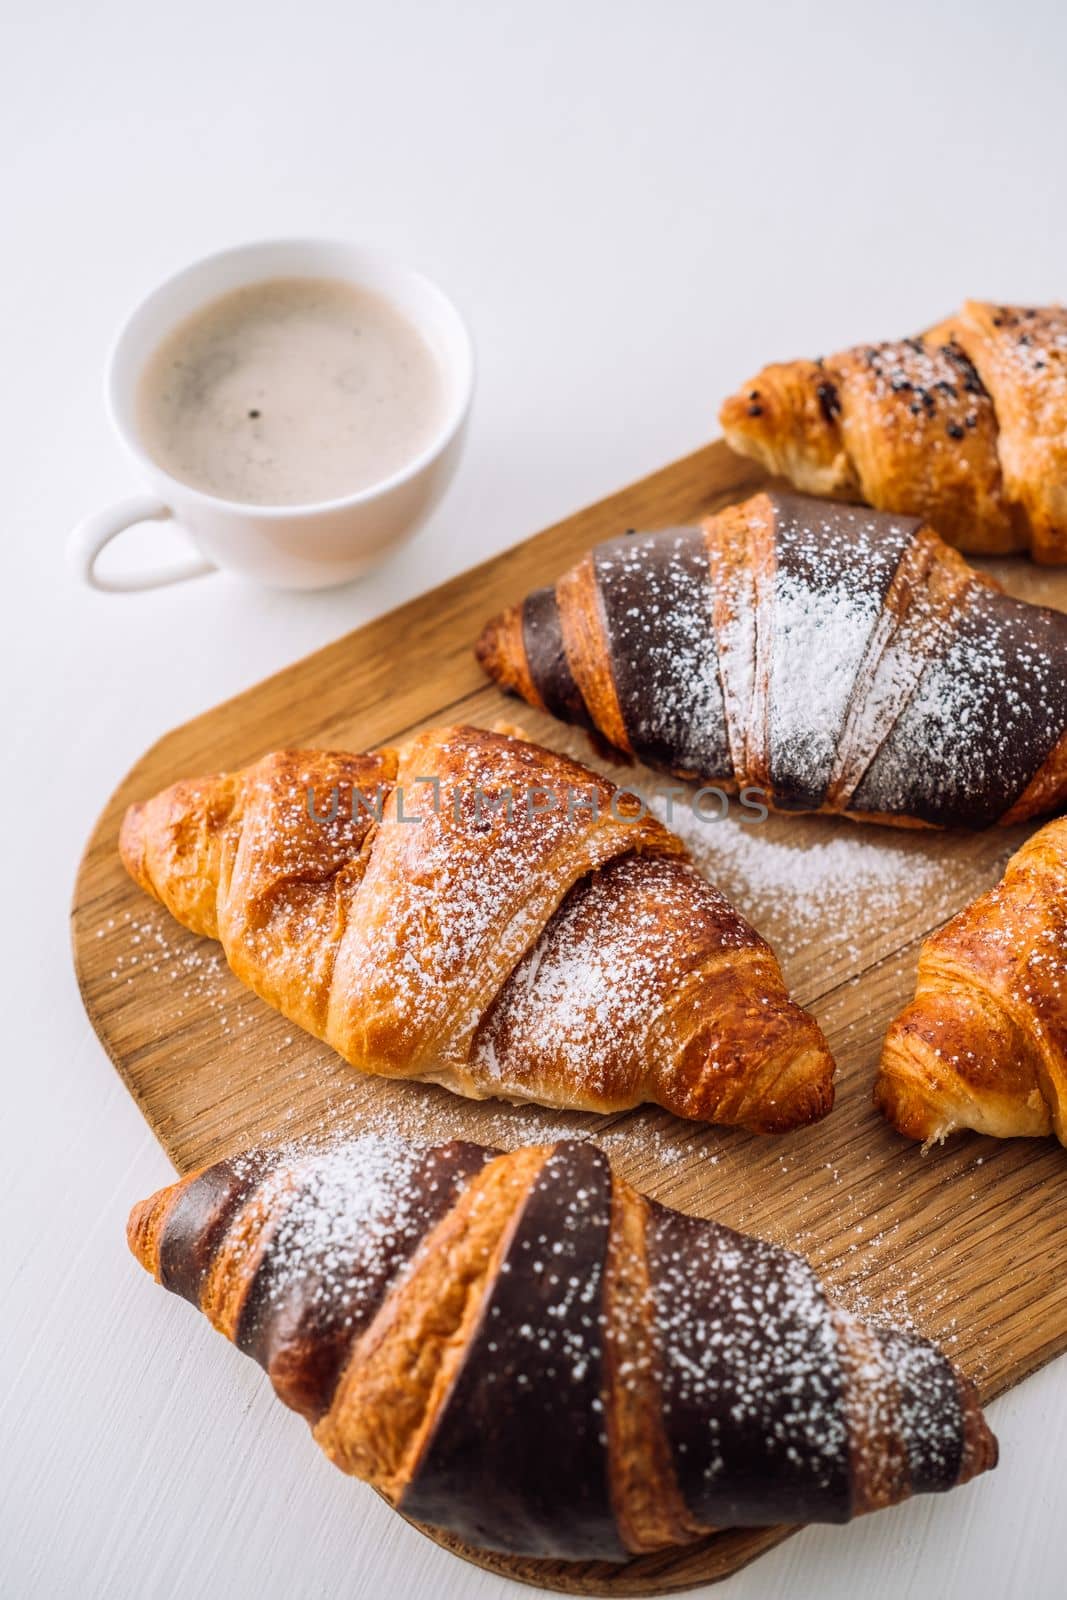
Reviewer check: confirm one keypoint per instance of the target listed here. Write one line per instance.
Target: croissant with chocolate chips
(523, 1350)
(834, 658)
(478, 912)
(984, 1043)
(965, 426)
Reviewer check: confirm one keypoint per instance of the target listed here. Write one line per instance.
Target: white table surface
(636, 205)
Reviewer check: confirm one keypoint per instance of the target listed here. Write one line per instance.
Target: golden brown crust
(965, 426)
(728, 538)
(179, 844)
(692, 1008)
(1020, 353)
(501, 653)
(787, 420)
(585, 644)
(757, 1061)
(741, 560)
(401, 1370)
(147, 1221)
(415, 973)
(923, 439)
(533, 935)
(984, 1043)
(237, 1260)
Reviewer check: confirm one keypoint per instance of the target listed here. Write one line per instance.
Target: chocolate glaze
(656, 597)
(930, 1413)
(197, 1220)
(301, 1330)
(988, 708)
(983, 704)
(838, 558)
(751, 1382)
(746, 1356)
(542, 637)
(517, 1460)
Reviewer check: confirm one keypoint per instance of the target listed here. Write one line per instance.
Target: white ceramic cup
(294, 546)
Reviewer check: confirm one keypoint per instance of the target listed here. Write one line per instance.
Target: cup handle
(90, 536)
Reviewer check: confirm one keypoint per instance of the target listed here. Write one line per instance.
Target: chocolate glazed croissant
(480, 913)
(984, 1043)
(965, 426)
(523, 1350)
(837, 659)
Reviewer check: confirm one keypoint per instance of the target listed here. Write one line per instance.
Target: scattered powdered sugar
(941, 704)
(894, 664)
(746, 1342)
(820, 638)
(657, 600)
(795, 884)
(798, 880)
(736, 646)
(555, 1259)
(573, 1017)
(343, 1208)
(903, 1306)
(927, 395)
(989, 706)
(427, 1115)
(467, 905)
(1029, 349)
(1043, 981)
(749, 1342)
(197, 968)
(816, 630)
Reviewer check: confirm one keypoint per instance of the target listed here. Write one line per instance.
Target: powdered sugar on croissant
(835, 658)
(478, 912)
(523, 1350)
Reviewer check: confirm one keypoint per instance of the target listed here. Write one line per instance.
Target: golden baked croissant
(984, 1043)
(478, 912)
(525, 1351)
(965, 426)
(837, 659)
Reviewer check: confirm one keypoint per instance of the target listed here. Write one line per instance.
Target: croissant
(525, 1351)
(834, 658)
(984, 1043)
(478, 912)
(965, 426)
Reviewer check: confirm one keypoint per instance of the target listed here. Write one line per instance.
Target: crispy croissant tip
(981, 1450)
(808, 1098)
(501, 654)
(132, 843)
(735, 412)
(489, 650)
(817, 1100)
(144, 1226)
(904, 1105)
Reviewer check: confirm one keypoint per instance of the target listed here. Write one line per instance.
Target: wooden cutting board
(964, 1243)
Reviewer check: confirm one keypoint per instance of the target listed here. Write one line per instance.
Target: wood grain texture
(964, 1242)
